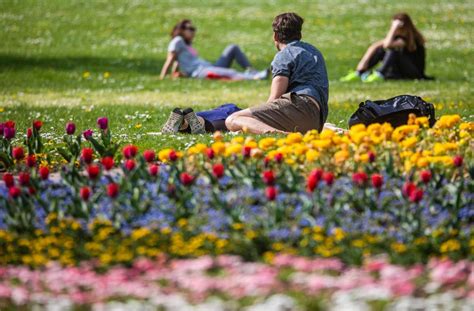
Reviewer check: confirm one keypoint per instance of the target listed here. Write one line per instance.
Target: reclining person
(299, 91)
(183, 59)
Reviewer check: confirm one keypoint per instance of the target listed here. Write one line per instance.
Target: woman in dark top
(402, 54)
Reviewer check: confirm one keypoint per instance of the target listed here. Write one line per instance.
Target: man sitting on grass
(299, 92)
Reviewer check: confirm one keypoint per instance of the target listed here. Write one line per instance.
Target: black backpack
(394, 111)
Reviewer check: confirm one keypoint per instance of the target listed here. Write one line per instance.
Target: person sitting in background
(402, 54)
(183, 57)
(298, 100)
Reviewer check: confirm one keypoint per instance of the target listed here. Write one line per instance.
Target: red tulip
(153, 169)
(377, 181)
(360, 178)
(425, 176)
(10, 124)
(408, 188)
(278, 158)
(29, 132)
(266, 161)
(218, 170)
(149, 155)
(130, 164)
(85, 193)
(24, 178)
(107, 163)
(37, 124)
(14, 192)
(103, 123)
(130, 151)
(32, 190)
(372, 156)
(458, 161)
(328, 177)
(31, 160)
(186, 179)
(268, 178)
(87, 134)
(9, 180)
(9, 132)
(70, 128)
(317, 173)
(271, 193)
(172, 156)
(87, 155)
(246, 151)
(112, 190)
(416, 195)
(312, 182)
(43, 172)
(93, 171)
(18, 153)
(210, 153)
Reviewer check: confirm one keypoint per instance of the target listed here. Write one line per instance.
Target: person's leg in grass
(233, 52)
(373, 55)
(244, 120)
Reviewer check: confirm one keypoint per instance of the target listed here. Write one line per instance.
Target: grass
(47, 46)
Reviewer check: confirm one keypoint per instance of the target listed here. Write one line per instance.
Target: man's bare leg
(245, 121)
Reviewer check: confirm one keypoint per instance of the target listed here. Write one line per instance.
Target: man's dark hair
(287, 27)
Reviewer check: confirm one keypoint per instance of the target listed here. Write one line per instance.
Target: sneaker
(262, 75)
(351, 76)
(196, 126)
(174, 122)
(374, 77)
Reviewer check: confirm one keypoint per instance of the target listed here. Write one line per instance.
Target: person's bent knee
(232, 47)
(230, 123)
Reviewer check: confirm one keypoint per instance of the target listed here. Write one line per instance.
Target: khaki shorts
(291, 113)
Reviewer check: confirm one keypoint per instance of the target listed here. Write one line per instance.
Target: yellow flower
(218, 148)
(294, 138)
(422, 121)
(106, 75)
(311, 155)
(341, 156)
(266, 143)
(358, 243)
(450, 246)
(250, 234)
(447, 121)
(233, 149)
(398, 247)
(321, 143)
(138, 125)
(409, 142)
(237, 140)
(86, 74)
(339, 234)
(139, 233)
(277, 246)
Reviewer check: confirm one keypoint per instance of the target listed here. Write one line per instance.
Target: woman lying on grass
(184, 59)
(402, 54)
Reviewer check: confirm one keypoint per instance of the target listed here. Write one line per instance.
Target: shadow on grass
(148, 66)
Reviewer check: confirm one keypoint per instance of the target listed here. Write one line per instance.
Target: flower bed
(405, 193)
(175, 284)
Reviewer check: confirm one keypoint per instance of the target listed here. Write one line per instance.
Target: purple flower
(9, 132)
(87, 134)
(103, 123)
(70, 128)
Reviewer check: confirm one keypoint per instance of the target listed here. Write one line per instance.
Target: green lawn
(47, 46)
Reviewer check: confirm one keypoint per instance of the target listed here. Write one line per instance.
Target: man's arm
(278, 88)
(168, 63)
